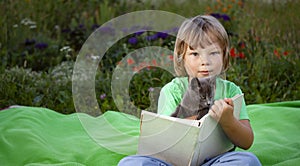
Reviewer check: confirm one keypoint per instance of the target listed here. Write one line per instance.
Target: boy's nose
(204, 60)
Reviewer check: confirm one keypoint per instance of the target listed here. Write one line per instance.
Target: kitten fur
(198, 98)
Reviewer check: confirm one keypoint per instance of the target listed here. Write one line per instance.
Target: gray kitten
(198, 98)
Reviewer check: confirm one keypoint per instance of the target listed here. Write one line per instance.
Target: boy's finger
(229, 101)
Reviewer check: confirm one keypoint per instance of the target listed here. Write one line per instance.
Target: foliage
(50, 89)
(41, 40)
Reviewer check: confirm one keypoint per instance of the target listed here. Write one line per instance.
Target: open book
(182, 141)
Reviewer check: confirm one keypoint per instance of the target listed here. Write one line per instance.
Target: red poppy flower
(232, 52)
(276, 53)
(285, 53)
(154, 62)
(242, 45)
(130, 61)
(135, 69)
(171, 57)
(242, 55)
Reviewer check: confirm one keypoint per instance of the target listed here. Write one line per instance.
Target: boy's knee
(141, 161)
(132, 160)
(250, 159)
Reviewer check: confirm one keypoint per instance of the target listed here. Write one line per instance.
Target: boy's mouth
(204, 72)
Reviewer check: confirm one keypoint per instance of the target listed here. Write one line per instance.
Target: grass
(41, 41)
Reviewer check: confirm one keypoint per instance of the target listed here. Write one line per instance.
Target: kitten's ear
(194, 83)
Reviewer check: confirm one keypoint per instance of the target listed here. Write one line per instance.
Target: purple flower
(102, 96)
(138, 33)
(162, 35)
(132, 40)
(216, 15)
(29, 42)
(95, 26)
(81, 26)
(152, 37)
(66, 30)
(225, 17)
(151, 89)
(41, 45)
(107, 30)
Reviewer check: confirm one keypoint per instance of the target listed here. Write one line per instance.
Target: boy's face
(203, 62)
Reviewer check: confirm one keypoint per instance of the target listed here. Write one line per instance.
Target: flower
(151, 89)
(232, 52)
(154, 62)
(242, 45)
(132, 40)
(29, 42)
(130, 61)
(225, 17)
(41, 45)
(106, 30)
(216, 15)
(81, 26)
(285, 53)
(162, 35)
(241, 55)
(66, 49)
(138, 33)
(66, 30)
(276, 53)
(136, 69)
(152, 37)
(102, 96)
(28, 21)
(95, 26)
(171, 57)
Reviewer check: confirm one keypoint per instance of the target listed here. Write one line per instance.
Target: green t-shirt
(172, 93)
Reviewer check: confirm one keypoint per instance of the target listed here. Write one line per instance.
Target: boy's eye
(194, 53)
(215, 53)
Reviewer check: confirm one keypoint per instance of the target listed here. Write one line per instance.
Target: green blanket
(36, 136)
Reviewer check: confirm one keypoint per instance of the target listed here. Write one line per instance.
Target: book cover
(182, 141)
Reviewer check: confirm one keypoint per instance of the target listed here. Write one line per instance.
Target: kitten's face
(199, 96)
(206, 89)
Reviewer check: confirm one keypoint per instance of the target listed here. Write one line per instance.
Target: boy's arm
(238, 131)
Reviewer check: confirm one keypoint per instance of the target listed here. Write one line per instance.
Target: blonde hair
(200, 31)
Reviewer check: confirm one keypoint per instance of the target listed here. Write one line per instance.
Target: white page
(175, 140)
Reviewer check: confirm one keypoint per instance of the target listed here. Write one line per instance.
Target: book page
(212, 140)
(237, 104)
(188, 122)
(167, 138)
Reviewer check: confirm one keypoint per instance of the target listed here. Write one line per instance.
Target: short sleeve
(234, 90)
(171, 95)
(228, 89)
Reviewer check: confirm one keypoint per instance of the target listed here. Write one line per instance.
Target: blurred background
(40, 41)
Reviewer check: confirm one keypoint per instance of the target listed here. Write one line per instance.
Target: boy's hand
(222, 110)
(192, 117)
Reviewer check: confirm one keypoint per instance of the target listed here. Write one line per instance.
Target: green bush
(52, 89)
